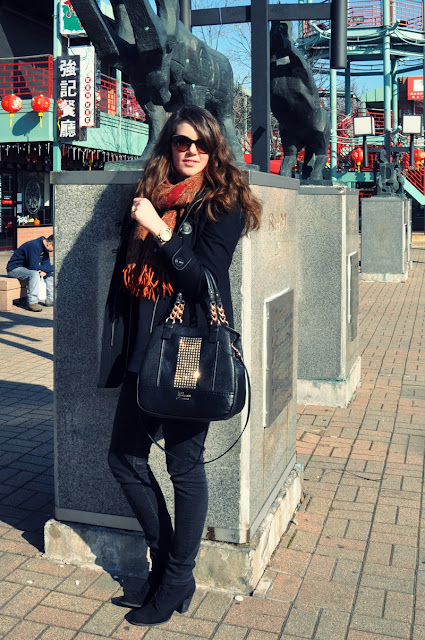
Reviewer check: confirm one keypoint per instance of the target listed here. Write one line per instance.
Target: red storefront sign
(415, 88)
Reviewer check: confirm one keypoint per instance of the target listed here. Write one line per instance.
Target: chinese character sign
(415, 88)
(70, 25)
(68, 91)
(87, 64)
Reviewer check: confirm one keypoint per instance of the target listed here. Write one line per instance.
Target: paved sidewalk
(351, 565)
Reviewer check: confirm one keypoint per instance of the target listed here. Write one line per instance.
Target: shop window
(34, 196)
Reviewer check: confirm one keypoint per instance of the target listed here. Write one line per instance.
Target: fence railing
(130, 108)
(416, 176)
(369, 13)
(26, 76)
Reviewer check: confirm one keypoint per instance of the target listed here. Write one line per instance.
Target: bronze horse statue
(295, 103)
(166, 64)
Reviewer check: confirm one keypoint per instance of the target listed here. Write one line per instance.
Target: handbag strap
(216, 309)
(231, 446)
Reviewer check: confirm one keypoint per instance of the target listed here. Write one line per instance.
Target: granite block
(386, 238)
(328, 348)
(242, 484)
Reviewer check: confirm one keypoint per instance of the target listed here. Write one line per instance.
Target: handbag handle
(216, 310)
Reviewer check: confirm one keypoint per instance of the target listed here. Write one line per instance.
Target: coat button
(186, 228)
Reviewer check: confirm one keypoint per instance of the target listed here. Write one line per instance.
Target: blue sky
(227, 43)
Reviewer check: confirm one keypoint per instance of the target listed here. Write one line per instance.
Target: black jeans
(128, 459)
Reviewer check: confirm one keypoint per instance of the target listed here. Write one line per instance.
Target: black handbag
(194, 373)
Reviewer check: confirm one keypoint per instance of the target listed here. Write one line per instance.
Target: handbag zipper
(153, 315)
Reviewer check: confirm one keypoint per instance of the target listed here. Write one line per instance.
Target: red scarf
(145, 275)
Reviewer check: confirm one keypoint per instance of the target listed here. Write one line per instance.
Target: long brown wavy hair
(226, 185)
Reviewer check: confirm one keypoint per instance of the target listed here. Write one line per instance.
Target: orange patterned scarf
(145, 275)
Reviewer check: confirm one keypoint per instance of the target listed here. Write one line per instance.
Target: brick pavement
(351, 566)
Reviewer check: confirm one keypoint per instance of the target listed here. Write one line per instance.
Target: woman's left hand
(145, 214)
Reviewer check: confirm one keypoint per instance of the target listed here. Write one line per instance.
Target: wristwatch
(164, 235)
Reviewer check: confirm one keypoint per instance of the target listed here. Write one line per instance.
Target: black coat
(196, 242)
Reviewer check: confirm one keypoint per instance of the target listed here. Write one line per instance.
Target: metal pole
(348, 90)
(185, 13)
(301, 22)
(260, 65)
(57, 52)
(365, 154)
(394, 83)
(245, 123)
(338, 34)
(387, 65)
(334, 136)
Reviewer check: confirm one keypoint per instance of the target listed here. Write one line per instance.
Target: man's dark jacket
(32, 255)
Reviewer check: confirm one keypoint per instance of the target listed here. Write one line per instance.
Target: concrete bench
(11, 290)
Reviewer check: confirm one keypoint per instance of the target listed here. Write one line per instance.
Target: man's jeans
(33, 277)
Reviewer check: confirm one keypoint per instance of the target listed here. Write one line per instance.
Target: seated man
(30, 261)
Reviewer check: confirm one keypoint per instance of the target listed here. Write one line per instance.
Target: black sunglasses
(183, 143)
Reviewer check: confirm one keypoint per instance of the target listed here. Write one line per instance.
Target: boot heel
(184, 605)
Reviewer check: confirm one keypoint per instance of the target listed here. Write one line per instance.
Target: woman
(191, 206)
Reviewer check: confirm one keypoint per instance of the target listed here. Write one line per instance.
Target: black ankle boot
(161, 606)
(136, 598)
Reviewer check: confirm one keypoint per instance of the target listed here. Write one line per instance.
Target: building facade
(32, 124)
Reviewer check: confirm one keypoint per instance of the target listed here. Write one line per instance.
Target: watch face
(165, 235)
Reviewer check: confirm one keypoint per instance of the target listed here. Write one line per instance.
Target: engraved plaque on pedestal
(353, 294)
(279, 354)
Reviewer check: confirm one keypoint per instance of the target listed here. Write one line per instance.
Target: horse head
(280, 42)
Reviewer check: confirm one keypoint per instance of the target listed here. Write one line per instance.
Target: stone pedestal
(386, 239)
(255, 488)
(328, 346)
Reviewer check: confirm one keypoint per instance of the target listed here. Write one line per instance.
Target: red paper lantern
(40, 104)
(419, 155)
(12, 104)
(357, 156)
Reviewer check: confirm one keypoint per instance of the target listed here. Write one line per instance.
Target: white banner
(87, 84)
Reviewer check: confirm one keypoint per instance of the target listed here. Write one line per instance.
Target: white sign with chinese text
(87, 84)
(68, 94)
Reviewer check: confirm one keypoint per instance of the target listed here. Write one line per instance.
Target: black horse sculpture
(295, 103)
(166, 64)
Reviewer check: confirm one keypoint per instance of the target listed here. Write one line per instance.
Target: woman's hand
(144, 213)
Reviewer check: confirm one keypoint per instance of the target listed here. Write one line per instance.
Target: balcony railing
(27, 76)
(416, 176)
(130, 108)
(30, 76)
(369, 13)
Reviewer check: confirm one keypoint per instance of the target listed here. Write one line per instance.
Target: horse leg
(321, 145)
(319, 165)
(308, 164)
(156, 117)
(290, 150)
(224, 114)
